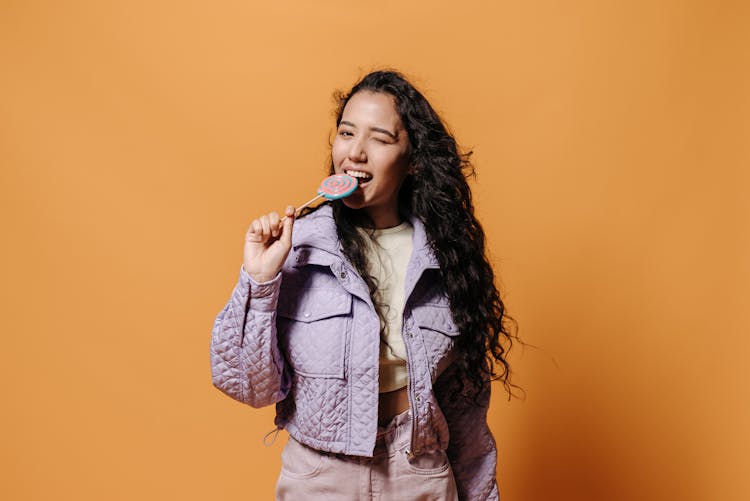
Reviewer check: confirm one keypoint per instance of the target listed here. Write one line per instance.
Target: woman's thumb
(286, 232)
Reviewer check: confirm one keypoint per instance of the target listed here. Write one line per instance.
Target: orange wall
(138, 139)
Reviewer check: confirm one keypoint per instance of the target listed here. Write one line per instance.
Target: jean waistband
(395, 435)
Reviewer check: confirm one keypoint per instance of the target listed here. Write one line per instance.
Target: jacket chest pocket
(438, 332)
(313, 326)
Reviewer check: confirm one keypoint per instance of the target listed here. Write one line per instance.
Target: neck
(385, 219)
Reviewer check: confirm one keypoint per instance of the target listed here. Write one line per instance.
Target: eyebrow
(376, 129)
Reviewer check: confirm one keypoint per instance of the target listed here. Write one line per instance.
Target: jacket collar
(317, 231)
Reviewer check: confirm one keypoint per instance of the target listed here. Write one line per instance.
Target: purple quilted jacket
(308, 341)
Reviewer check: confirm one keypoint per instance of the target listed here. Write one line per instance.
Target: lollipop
(333, 188)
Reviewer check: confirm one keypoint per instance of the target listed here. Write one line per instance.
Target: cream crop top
(388, 253)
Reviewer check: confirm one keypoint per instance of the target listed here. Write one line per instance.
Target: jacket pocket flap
(312, 304)
(436, 317)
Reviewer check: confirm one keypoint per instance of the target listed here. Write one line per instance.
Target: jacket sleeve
(471, 449)
(246, 362)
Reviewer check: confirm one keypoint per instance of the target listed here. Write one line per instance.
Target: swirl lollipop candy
(336, 186)
(332, 188)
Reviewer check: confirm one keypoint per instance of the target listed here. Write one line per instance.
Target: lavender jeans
(391, 474)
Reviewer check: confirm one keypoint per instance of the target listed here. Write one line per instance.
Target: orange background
(138, 139)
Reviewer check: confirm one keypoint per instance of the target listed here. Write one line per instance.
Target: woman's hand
(267, 245)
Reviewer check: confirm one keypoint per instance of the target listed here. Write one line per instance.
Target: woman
(373, 323)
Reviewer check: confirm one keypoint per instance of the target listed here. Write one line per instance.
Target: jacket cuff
(263, 296)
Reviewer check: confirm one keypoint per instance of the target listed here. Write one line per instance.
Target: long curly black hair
(438, 194)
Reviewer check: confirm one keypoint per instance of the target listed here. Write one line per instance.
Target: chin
(353, 204)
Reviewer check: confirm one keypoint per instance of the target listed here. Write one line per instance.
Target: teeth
(358, 174)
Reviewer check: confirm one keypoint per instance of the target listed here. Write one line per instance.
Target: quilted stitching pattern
(363, 392)
(437, 333)
(311, 345)
(472, 449)
(248, 367)
(313, 332)
(325, 415)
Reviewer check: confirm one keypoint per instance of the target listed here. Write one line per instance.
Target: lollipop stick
(302, 207)
(333, 187)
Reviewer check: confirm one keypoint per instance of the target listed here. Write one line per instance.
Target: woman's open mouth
(361, 176)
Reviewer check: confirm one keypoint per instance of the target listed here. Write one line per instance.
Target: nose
(357, 151)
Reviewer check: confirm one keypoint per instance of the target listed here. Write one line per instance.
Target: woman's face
(372, 145)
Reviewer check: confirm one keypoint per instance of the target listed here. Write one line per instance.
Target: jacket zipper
(412, 417)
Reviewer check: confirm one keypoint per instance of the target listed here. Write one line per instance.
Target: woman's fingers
(255, 233)
(273, 222)
(286, 236)
(269, 226)
(267, 245)
(266, 226)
